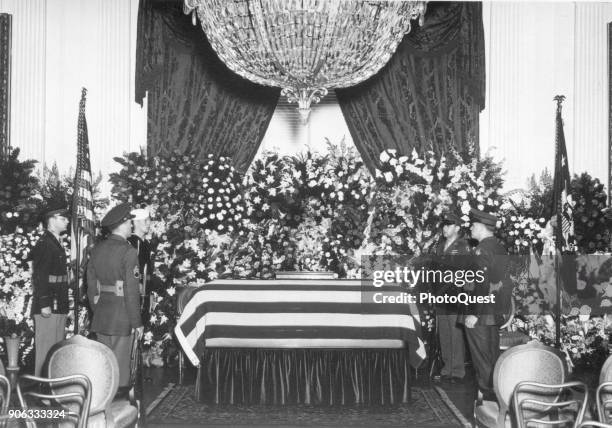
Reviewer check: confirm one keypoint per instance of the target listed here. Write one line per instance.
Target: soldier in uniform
(482, 320)
(50, 286)
(453, 252)
(142, 224)
(113, 290)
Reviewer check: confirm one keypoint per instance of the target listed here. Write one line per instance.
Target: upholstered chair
(97, 361)
(69, 394)
(5, 399)
(556, 405)
(531, 362)
(603, 395)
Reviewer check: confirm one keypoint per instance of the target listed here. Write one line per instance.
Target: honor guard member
(482, 320)
(454, 253)
(142, 225)
(113, 290)
(50, 284)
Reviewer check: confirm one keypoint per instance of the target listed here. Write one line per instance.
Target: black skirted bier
(304, 376)
(299, 341)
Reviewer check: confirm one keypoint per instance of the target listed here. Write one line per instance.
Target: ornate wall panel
(5, 82)
(609, 112)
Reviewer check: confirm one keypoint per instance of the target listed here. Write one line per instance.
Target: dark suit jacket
(49, 258)
(112, 260)
(491, 257)
(455, 257)
(145, 262)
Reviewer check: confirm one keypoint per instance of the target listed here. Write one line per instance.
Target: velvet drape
(304, 376)
(195, 103)
(430, 94)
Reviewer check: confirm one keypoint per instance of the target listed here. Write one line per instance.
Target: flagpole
(77, 287)
(559, 234)
(82, 217)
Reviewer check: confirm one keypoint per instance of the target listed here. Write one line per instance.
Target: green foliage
(590, 225)
(541, 195)
(18, 185)
(591, 228)
(57, 189)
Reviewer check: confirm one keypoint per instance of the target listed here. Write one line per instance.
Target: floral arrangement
(320, 212)
(16, 288)
(520, 233)
(270, 190)
(204, 191)
(584, 339)
(414, 191)
(591, 228)
(251, 254)
(159, 348)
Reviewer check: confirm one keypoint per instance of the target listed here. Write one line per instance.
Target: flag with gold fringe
(82, 223)
(563, 202)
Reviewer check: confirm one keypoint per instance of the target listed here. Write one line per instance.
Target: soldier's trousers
(483, 341)
(122, 348)
(451, 345)
(47, 332)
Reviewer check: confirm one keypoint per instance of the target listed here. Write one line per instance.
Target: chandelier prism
(305, 47)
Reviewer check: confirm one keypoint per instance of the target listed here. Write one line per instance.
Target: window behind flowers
(287, 134)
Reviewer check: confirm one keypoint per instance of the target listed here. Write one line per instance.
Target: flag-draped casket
(302, 331)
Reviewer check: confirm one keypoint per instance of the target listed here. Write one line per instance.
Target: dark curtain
(430, 94)
(195, 103)
(304, 376)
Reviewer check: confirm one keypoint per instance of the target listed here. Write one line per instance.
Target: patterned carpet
(176, 406)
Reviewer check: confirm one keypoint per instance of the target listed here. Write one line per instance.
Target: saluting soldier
(113, 290)
(50, 286)
(138, 239)
(453, 252)
(482, 320)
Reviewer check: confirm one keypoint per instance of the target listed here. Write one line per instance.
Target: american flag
(82, 201)
(562, 199)
(296, 314)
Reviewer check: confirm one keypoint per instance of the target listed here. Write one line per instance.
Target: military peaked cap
(117, 215)
(483, 217)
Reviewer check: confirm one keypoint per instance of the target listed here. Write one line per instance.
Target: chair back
(532, 362)
(79, 355)
(603, 397)
(594, 424)
(551, 405)
(605, 375)
(604, 391)
(5, 399)
(70, 394)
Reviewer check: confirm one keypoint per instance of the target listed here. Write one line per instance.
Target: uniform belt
(116, 289)
(58, 278)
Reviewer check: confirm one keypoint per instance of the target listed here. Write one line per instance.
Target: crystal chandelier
(305, 47)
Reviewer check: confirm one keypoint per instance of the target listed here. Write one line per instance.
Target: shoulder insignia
(136, 272)
(478, 251)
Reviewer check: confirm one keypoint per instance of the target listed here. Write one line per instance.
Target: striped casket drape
(296, 314)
